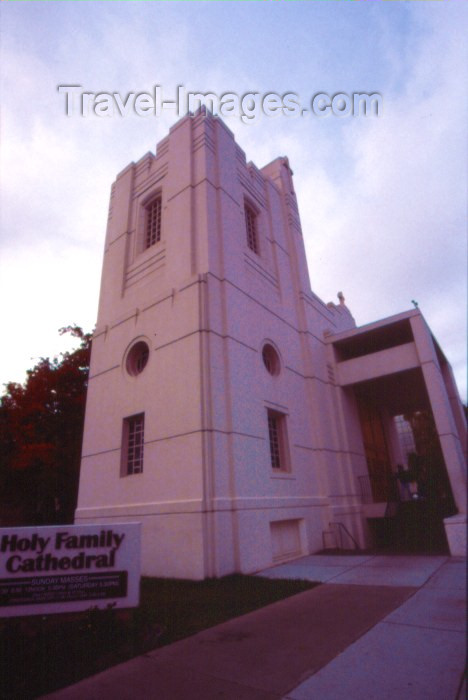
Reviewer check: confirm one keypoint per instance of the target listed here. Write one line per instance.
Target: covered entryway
(406, 492)
(411, 424)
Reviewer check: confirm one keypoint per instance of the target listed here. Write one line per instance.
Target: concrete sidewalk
(380, 627)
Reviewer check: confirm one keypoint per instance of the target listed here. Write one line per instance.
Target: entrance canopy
(397, 366)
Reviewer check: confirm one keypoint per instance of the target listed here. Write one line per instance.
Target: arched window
(137, 358)
(271, 359)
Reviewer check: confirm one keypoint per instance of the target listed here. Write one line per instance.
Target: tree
(41, 428)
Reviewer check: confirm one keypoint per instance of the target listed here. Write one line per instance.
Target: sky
(382, 199)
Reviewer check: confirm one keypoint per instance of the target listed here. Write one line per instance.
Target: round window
(271, 359)
(137, 358)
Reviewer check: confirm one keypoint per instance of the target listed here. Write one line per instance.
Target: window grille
(251, 228)
(142, 359)
(137, 358)
(275, 440)
(153, 222)
(135, 432)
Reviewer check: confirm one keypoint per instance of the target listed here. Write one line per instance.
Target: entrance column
(442, 411)
(447, 431)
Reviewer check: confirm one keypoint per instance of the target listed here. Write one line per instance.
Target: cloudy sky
(382, 200)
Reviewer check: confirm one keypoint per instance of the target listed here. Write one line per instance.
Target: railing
(342, 529)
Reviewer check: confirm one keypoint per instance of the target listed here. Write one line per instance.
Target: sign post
(68, 568)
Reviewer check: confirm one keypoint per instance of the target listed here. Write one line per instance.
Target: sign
(67, 568)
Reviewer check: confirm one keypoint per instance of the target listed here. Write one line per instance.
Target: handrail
(342, 526)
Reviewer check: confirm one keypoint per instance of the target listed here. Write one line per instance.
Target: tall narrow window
(405, 435)
(251, 228)
(277, 438)
(133, 444)
(153, 222)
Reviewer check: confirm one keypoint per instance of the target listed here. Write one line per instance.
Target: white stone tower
(208, 411)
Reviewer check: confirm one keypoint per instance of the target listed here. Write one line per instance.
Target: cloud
(382, 201)
(394, 229)
(48, 290)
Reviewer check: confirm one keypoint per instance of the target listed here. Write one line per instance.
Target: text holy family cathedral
(29, 553)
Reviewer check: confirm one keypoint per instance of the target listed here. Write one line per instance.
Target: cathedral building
(238, 417)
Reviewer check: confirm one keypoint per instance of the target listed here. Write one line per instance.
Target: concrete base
(171, 543)
(455, 530)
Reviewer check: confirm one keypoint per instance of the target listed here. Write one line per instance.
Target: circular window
(137, 358)
(270, 359)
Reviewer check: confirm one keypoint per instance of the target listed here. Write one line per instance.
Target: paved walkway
(380, 627)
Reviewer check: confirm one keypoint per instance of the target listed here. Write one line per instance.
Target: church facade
(235, 415)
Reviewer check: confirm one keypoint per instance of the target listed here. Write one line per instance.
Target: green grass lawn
(40, 654)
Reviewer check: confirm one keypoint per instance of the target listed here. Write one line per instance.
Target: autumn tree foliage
(41, 428)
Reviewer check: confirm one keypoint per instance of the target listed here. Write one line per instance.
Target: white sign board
(68, 568)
